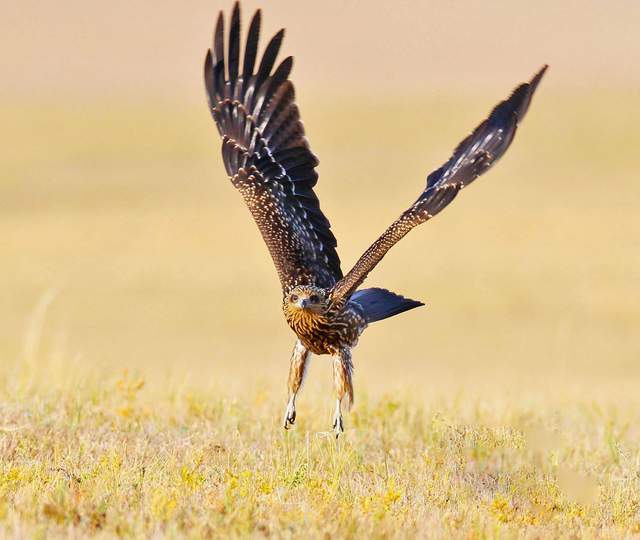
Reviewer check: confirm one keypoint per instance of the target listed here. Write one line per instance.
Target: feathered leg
(297, 371)
(343, 380)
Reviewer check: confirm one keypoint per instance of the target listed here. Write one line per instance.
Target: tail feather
(378, 304)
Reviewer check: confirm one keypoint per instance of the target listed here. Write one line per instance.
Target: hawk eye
(314, 298)
(294, 297)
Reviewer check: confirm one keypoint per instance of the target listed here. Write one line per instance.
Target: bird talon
(289, 415)
(338, 427)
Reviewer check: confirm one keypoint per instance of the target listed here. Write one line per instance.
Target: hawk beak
(304, 302)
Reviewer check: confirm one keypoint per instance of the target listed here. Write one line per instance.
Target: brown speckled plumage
(328, 332)
(268, 159)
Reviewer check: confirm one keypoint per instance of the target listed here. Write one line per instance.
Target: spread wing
(473, 156)
(267, 156)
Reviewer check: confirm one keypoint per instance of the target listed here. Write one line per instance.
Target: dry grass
(506, 408)
(105, 459)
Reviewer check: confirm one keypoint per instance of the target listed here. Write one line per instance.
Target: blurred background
(124, 246)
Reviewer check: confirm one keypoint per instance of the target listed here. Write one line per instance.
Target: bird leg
(297, 371)
(343, 381)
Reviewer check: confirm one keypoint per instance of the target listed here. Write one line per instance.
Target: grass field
(144, 355)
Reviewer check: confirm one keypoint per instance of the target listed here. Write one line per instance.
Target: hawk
(268, 160)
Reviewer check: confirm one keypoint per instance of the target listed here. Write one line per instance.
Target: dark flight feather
(267, 156)
(489, 141)
(218, 49)
(234, 44)
(251, 49)
(269, 57)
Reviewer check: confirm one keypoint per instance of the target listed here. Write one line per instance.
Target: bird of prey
(268, 160)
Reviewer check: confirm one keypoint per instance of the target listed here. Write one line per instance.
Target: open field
(144, 355)
(101, 459)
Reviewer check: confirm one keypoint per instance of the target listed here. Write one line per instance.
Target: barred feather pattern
(267, 156)
(473, 156)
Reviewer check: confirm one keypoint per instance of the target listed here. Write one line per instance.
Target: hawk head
(306, 298)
